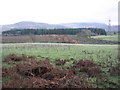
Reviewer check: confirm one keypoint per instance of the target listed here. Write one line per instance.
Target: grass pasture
(108, 37)
(63, 51)
(106, 55)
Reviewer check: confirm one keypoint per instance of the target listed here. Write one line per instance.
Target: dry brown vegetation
(40, 38)
(53, 39)
(42, 74)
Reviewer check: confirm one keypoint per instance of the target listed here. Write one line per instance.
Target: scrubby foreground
(41, 74)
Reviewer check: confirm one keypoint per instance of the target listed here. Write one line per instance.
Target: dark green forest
(66, 31)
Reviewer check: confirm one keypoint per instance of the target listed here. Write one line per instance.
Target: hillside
(35, 25)
(90, 25)
(30, 25)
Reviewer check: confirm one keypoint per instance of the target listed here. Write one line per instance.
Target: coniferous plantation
(65, 35)
(68, 31)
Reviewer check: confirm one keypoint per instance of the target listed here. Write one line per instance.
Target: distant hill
(116, 28)
(90, 25)
(30, 25)
(35, 25)
(84, 25)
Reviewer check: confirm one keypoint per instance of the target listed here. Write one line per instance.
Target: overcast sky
(58, 11)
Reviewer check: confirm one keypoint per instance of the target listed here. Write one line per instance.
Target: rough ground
(42, 74)
(39, 74)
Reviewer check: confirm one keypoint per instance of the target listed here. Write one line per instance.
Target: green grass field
(108, 37)
(106, 55)
(98, 53)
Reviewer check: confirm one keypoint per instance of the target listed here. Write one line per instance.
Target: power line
(109, 24)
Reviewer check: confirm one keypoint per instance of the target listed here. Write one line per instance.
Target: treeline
(67, 31)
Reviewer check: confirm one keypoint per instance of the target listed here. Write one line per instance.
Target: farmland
(76, 39)
(37, 61)
(101, 60)
(108, 37)
(63, 51)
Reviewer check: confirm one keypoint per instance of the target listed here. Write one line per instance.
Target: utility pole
(109, 25)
